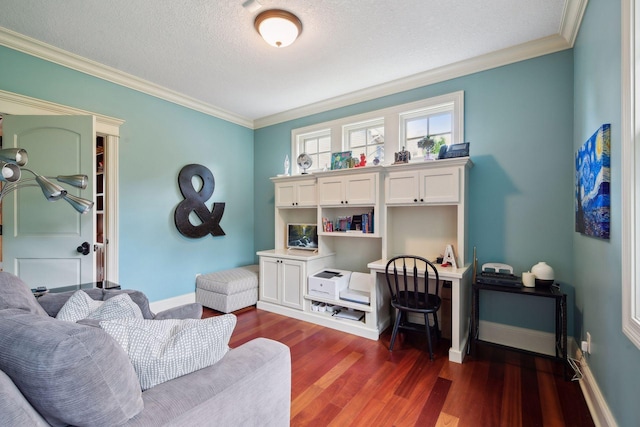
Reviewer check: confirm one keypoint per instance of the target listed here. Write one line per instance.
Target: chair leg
(395, 330)
(435, 323)
(426, 323)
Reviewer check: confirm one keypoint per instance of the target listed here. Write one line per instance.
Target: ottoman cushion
(228, 290)
(229, 282)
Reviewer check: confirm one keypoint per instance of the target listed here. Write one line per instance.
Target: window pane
(324, 144)
(324, 161)
(311, 145)
(376, 136)
(357, 138)
(440, 123)
(416, 128)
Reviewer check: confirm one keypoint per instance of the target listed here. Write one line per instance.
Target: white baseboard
(512, 336)
(165, 304)
(544, 342)
(602, 416)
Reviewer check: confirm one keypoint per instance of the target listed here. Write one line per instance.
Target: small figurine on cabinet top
(363, 160)
(402, 157)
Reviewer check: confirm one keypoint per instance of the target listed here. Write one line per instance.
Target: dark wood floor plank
(341, 380)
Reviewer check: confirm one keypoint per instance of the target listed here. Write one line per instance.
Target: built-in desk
(460, 279)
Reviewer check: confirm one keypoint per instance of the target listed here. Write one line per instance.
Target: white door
(40, 238)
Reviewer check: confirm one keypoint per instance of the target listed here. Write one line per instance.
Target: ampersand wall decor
(195, 201)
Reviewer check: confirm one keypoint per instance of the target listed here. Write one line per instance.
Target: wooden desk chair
(409, 278)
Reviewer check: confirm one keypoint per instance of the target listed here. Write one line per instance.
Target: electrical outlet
(584, 346)
(588, 343)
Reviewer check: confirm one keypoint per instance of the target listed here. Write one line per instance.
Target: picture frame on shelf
(340, 160)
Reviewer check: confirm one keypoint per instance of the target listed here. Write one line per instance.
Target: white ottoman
(228, 290)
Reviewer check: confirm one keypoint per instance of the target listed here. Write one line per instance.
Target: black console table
(550, 292)
(104, 284)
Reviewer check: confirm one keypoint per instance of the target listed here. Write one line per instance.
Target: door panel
(40, 237)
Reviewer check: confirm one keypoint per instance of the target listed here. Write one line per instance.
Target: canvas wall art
(593, 175)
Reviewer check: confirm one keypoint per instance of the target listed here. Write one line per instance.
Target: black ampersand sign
(195, 201)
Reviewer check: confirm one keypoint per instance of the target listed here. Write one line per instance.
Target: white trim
(12, 103)
(522, 338)
(569, 27)
(165, 304)
(572, 19)
(630, 166)
(15, 104)
(36, 48)
(391, 117)
(500, 58)
(112, 225)
(598, 407)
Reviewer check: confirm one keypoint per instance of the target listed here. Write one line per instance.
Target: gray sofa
(61, 373)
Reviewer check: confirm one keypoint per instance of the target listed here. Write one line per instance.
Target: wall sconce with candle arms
(12, 162)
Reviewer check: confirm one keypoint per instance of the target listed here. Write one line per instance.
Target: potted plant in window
(430, 146)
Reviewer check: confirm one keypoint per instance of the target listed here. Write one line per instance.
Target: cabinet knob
(342, 202)
(422, 200)
(346, 201)
(415, 200)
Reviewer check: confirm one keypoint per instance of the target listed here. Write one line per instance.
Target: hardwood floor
(340, 379)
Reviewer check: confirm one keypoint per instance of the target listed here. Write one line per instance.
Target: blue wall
(518, 119)
(614, 360)
(157, 139)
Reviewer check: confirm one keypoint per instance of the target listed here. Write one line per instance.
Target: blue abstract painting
(593, 176)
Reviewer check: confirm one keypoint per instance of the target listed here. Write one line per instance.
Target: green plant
(430, 144)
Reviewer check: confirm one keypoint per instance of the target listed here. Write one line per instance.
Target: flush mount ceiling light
(278, 27)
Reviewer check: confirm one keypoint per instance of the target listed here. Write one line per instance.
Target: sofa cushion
(14, 293)
(70, 373)
(161, 350)
(15, 409)
(81, 306)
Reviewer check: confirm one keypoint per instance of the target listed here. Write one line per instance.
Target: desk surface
(443, 272)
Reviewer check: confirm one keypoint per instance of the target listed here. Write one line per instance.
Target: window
(630, 173)
(439, 119)
(318, 146)
(426, 130)
(364, 138)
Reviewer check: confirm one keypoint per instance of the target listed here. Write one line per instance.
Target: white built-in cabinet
(296, 193)
(417, 208)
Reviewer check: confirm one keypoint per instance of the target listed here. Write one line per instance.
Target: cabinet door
(269, 280)
(306, 193)
(402, 188)
(330, 191)
(360, 189)
(285, 194)
(293, 282)
(440, 185)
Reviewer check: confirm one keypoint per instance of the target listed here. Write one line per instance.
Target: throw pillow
(81, 306)
(161, 350)
(71, 374)
(14, 293)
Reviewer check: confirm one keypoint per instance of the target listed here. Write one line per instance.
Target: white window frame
(346, 129)
(392, 123)
(299, 140)
(630, 173)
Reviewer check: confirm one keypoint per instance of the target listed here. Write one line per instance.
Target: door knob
(83, 248)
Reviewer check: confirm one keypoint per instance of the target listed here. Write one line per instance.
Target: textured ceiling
(209, 50)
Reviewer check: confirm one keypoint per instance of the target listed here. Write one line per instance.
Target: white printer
(328, 283)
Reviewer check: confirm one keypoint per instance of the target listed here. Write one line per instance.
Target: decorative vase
(544, 274)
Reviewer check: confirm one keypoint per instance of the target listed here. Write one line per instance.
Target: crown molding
(491, 60)
(41, 50)
(568, 31)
